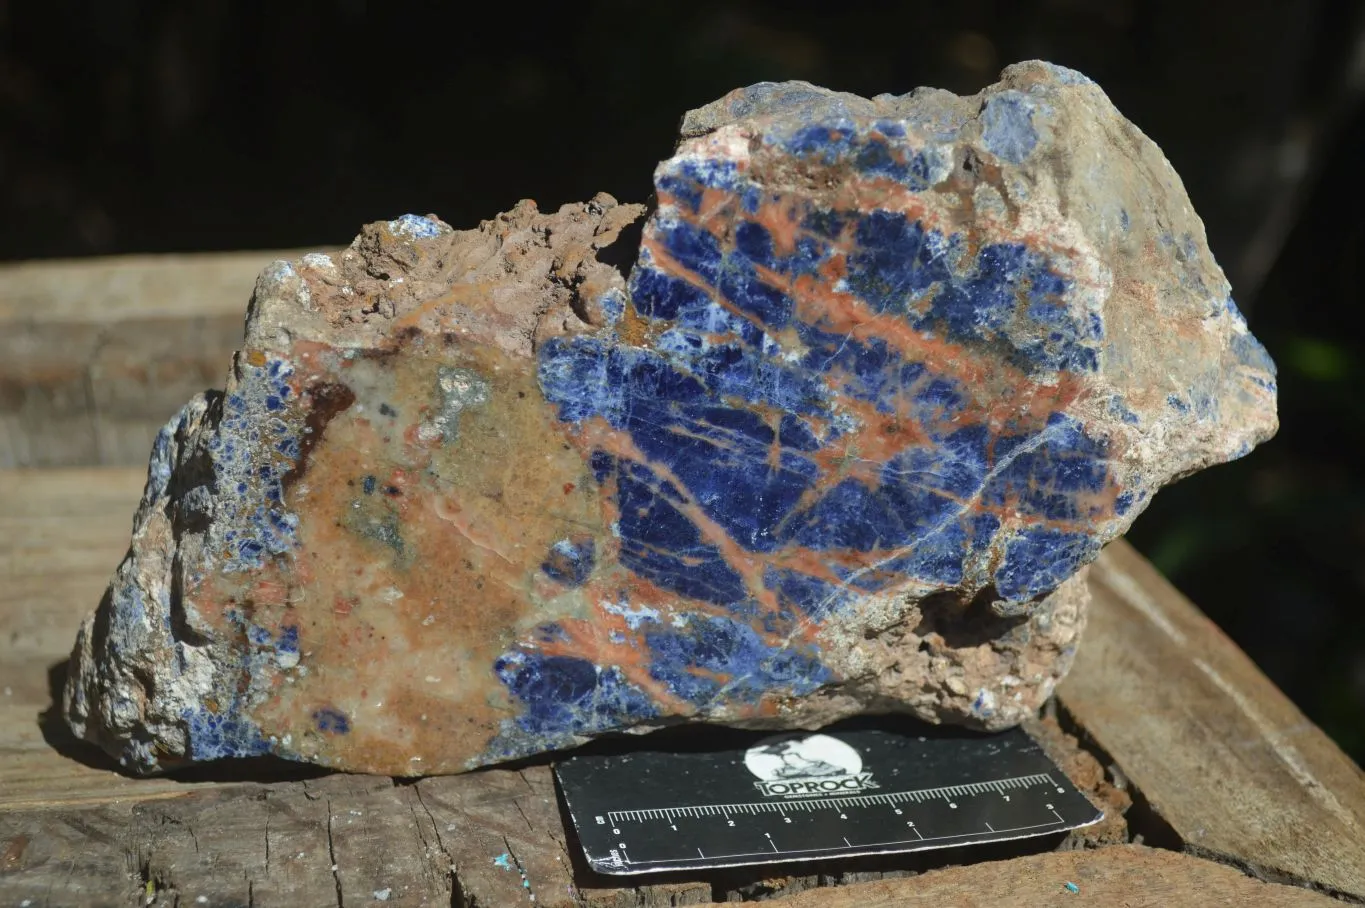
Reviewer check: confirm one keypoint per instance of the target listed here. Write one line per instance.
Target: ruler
(842, 792)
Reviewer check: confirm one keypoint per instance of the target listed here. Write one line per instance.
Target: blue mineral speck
(416, 227)
(331, 720)
(571, 561)
(1008, 131)
(288, 641)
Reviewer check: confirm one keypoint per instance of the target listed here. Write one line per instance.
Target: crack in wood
(265, 802)
(440, 841)
(332, 855)
(521, 869)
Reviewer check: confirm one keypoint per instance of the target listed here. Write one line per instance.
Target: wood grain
(1129, 876)
(1213, 746)
(130, 288)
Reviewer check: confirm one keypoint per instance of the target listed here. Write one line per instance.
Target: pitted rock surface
(884, 378)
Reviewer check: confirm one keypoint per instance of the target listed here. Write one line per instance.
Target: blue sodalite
(1041, 558)
(734, 661)
(331, 721)
(563, 697)
(660, 544)
(874, 152)
(162, 461)
(571, 561)
(1250, 353)
(1007, 126)
(677, 404)
(288, 641)
(691, 178)
(1052, 474)
(416, 227)
(811, 597)
(736, 403)
(226, 728)
(252, 453)
(215, 735)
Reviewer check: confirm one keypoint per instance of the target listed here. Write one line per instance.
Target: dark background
(227, 124)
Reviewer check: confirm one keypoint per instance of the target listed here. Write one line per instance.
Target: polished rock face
(884, 378)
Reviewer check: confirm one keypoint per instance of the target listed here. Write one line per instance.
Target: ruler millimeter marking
(818, 803)
(847, 791)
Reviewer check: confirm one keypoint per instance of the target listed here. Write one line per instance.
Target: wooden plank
(145, 370)
(62, 533)
(74, 861)
(1213, 746)
(505, 837)
(46, 406)
(95, 355)
(285, 844)
(129, 288)
(488, 838)
(351, 844)
(1127, 875)
(80, 394)
(499, 837)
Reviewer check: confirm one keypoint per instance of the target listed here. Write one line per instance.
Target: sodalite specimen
(884, 377)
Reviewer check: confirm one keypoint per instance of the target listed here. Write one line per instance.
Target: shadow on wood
(59, 736)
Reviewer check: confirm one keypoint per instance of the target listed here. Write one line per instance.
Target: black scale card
(797, 797)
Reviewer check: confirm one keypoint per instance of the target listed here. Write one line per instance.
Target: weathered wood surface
(128, 288)
(1214, 747)
(1129, 875)
(486, 839)
(95, 355)
(73, 832)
